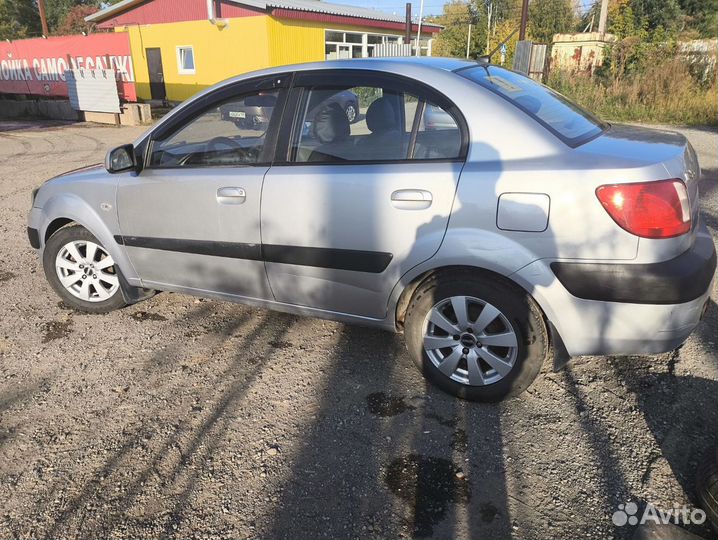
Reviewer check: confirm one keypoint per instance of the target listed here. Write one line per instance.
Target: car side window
(232, 133)
(371, 123)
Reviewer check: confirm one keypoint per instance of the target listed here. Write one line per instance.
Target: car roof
(380, 64)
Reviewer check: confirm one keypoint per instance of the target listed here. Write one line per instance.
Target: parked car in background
(486, 217)
(255, 113)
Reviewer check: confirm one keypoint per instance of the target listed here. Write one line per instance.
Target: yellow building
(182, 46)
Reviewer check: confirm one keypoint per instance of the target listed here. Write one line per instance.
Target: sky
(431, 7)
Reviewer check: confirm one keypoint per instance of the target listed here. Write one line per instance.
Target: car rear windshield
(565, 119)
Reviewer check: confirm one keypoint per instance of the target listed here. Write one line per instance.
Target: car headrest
(381, 117)
(331, 124)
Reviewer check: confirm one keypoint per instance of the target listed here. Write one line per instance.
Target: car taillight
(648, 209)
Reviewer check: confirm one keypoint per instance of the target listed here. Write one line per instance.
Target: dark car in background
(255, 113)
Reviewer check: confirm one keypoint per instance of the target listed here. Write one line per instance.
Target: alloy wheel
(87, 271)
(470, 341)
(351, 113)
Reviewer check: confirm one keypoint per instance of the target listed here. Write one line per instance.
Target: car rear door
(190, 219)
(348, 207)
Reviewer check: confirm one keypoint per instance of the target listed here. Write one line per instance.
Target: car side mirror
(121, 159)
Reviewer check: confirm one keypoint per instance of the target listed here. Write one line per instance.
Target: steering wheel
(226, 141)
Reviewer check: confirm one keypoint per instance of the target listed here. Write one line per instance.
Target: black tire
(707, 487)
(518, 308)
(54, 244)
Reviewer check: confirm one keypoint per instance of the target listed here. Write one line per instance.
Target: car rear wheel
(475, 336)
(82, 271)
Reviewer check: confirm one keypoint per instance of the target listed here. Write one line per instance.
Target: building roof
(310, 6)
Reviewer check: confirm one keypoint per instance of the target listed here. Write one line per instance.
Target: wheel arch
(557, 349)
(68, 208)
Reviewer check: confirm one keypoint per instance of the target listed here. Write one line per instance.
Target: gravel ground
(184, 418)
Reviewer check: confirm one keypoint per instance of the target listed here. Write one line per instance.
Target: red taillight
(648, 209)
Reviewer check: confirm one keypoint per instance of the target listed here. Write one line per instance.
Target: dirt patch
(53, 330)
(147, 316)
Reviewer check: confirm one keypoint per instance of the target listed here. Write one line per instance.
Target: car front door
(190, 219)
(348, 207)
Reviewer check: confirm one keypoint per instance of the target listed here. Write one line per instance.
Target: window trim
(304, 79)
(364, 44)
(196, 108)
(181, 70)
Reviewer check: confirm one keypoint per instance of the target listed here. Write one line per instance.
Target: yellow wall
(295, 41)
(218, 53)
(245, 44)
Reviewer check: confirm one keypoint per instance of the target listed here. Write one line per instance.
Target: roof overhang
(349, 13)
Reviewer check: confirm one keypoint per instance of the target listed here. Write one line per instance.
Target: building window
(185, 60)
(342, 45)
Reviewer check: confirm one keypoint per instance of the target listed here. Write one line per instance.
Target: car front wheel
(82, 271)
(475, 336)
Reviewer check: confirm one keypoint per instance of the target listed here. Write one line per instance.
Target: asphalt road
(184, 418)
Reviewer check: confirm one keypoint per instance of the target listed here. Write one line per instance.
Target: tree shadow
(380, 460)
(168, 455)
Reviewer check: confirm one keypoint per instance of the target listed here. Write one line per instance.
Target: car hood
(86, 169)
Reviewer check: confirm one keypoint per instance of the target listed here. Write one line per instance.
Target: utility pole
(468, 41)
(489, 11)
(418, 34)
(603, 17)
(525, 18)
(407, 37)
(43, 17)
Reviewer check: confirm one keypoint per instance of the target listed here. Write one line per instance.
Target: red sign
(39, 66)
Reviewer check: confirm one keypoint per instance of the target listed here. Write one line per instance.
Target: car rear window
(565, 119)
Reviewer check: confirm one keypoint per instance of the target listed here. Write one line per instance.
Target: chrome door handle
(231, 195)
(411, 199)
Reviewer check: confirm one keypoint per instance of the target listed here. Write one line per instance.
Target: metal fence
(394, 49)
(530, 59)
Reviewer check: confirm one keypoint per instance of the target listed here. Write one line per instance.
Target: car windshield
(565, 119)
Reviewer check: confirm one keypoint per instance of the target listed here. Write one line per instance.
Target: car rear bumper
(613, 317)
(676, 281)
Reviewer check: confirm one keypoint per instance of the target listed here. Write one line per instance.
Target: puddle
(6, 276)
(53, 330)
(147, 316)
(430, 485)
(380, 404)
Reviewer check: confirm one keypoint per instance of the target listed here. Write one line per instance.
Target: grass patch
(665, 93)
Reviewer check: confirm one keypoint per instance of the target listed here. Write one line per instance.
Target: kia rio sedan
(518, 228)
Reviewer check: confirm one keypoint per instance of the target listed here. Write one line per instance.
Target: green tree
(57, 10)
(19, 19)
(549, 17)
(452, 40)
(701, 16)
(74, 21)
(655, 13)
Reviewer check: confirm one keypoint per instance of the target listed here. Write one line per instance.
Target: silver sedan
(489, 219)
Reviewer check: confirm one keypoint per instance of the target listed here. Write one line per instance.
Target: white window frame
(181, 70)
(364, 45)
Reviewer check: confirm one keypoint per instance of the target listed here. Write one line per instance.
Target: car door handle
(231, 195)
(411, 199)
